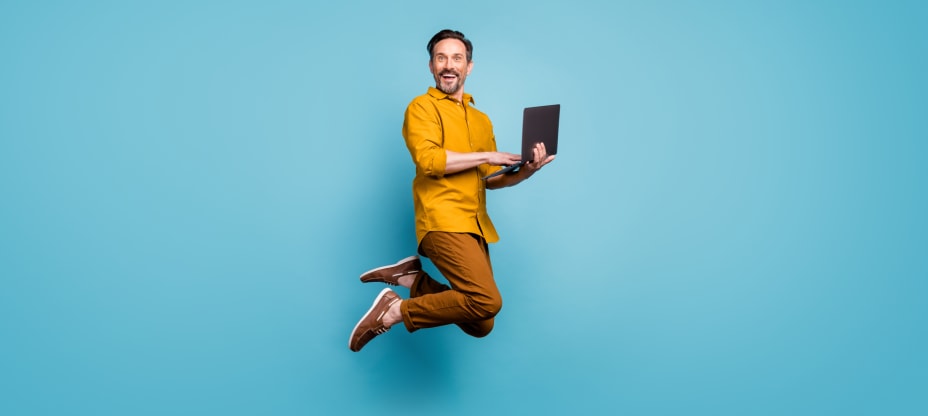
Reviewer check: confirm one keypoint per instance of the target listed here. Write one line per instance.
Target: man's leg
(425, 284)
(471, 301)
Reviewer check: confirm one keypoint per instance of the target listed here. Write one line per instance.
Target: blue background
(735, 223)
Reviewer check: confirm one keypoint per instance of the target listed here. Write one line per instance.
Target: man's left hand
(539, 159)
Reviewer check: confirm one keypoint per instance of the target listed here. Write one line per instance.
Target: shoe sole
(410, 258)
(373, 305)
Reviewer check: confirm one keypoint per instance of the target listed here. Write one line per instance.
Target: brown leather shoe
(371, 324)
(391, 274)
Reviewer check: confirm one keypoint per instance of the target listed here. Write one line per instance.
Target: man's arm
(541, 158)
(423, 135)
(456, 162)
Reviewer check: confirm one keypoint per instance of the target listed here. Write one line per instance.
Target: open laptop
(539, 125)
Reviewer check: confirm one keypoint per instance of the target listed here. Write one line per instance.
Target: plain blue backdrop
(735, 224)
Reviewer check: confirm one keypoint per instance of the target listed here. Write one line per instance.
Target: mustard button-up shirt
(435, 122)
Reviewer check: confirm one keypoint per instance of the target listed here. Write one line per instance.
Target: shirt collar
(435, 92)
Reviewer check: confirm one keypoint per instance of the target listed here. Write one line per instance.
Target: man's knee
(487, 307)
(479, 330)
(484, 309)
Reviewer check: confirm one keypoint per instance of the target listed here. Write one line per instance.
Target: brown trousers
(472, 299)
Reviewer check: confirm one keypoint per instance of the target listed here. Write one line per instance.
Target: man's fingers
(541, 155)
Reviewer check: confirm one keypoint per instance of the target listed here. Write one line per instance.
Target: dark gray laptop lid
(540, 124)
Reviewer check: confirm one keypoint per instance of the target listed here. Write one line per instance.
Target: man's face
(449, 66)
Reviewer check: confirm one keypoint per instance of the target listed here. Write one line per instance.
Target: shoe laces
(381, 330)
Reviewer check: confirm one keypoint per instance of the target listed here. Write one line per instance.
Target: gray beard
(451, 89)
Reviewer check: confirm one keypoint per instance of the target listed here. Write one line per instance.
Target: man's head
(450, 62)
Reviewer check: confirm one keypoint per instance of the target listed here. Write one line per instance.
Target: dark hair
(451, 34)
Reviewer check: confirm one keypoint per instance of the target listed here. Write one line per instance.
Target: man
(453, 147)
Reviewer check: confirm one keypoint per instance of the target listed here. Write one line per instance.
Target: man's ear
(470, 67)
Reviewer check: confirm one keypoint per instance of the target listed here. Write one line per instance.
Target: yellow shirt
(435, 122)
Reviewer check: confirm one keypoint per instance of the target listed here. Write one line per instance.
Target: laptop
(539, 125)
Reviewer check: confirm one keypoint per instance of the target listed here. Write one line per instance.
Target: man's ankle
(406, 281)
(393, 316)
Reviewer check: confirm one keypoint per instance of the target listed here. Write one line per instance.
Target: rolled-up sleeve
(423, 134)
